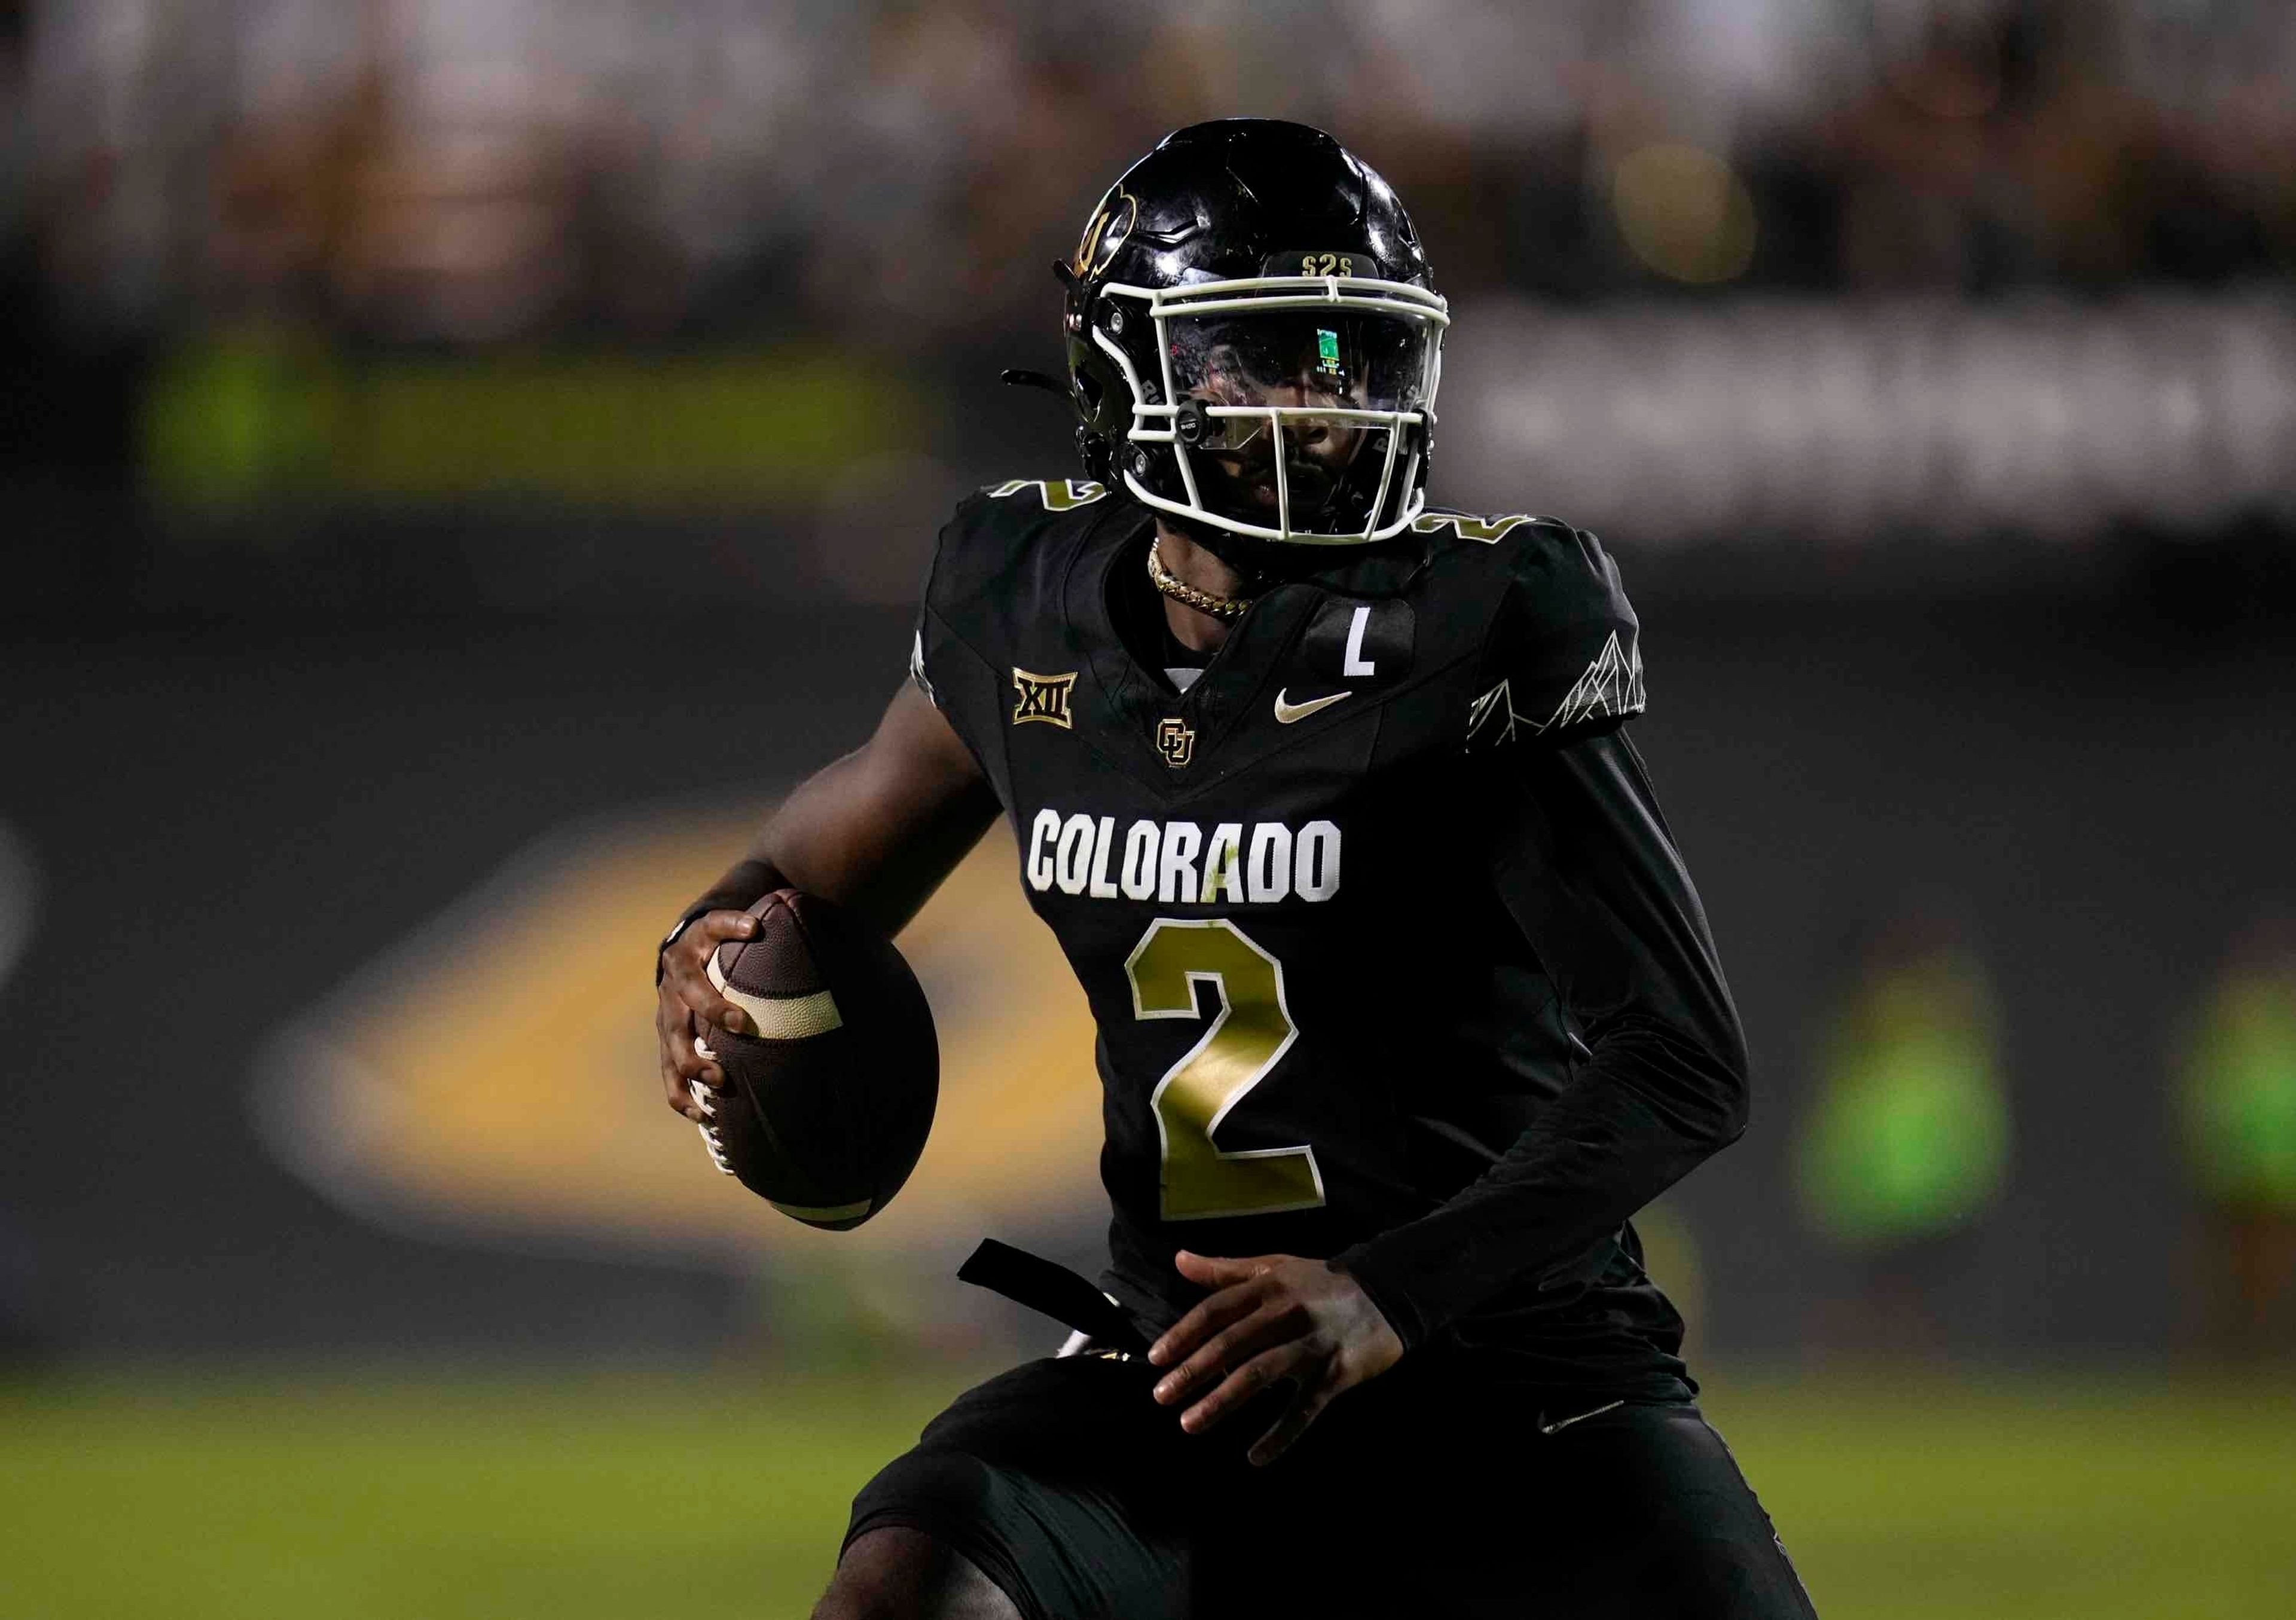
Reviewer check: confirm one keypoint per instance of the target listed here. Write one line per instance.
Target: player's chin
(1309, 486)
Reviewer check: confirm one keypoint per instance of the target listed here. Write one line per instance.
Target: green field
(628, 1496)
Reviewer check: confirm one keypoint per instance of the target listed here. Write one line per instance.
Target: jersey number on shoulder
(1252, 1031)
(1489, 530)
(1059, 495)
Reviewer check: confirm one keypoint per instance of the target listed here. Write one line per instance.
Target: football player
(1405, 1002)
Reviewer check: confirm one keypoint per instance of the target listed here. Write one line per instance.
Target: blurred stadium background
(459, 458)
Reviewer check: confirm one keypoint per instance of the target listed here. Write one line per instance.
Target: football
(826, 1105)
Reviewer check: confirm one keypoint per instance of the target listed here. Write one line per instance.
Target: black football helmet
(1254, 340)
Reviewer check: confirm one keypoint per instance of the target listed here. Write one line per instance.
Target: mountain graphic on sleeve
(1610, 687)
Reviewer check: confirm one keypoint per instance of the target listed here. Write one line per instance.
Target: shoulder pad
(1564, 651)
(995, 528)
(999, 564)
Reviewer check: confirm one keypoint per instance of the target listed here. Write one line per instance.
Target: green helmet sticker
(1327, 349)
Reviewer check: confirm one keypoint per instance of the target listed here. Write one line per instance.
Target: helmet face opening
(1295, 408)
(1319, 391)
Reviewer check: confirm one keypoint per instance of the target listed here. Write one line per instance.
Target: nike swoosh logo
(1285, 713)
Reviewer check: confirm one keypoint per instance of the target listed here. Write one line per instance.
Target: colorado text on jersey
(1161, 860)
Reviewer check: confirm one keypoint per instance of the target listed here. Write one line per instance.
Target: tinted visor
(1340, 357)
(1305, 362)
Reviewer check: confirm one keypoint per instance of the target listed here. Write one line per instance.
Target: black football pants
(1423, 1492)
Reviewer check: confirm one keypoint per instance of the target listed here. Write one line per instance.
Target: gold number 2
(1252, 1031)
(1327, 264)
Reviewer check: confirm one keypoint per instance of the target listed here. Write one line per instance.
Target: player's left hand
(1271, 1318)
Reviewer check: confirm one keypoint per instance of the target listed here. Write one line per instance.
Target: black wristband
(742, 887)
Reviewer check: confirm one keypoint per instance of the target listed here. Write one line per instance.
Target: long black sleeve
(1583, 862)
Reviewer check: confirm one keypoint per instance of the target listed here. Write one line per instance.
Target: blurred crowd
(892, 174)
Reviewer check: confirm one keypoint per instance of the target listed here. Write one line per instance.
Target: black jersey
(1390, 957)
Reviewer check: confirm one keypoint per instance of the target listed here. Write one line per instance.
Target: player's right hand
(685, 1004)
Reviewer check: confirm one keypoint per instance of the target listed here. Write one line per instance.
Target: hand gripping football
(826, 1108)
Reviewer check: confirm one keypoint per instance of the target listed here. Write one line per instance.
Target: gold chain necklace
(1180, 590)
